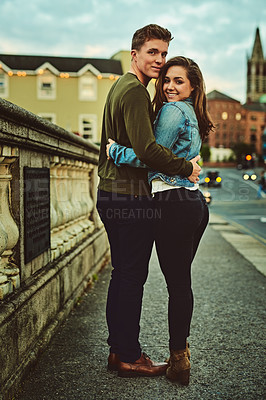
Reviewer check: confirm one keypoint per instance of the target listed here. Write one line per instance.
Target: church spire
(256, 72)
(257, 53)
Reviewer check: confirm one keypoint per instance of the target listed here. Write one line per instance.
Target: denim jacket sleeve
(122, 155)
(168, 123)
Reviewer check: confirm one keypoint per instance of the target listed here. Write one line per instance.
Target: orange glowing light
(64, 75)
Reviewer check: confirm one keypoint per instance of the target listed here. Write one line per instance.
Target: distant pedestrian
(262, 184)
(128, 117)
(181, 125)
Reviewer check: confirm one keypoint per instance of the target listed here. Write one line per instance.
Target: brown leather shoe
(113, 361)
(144, 366)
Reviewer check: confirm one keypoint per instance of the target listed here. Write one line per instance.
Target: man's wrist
(188, 169)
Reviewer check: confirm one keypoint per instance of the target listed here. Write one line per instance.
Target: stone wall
(41, 281)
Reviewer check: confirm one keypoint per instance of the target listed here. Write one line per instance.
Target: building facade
(227, 114)
(234, 122)
(69, 92)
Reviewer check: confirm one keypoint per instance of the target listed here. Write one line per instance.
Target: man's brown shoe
(144, 366)
(113, 361)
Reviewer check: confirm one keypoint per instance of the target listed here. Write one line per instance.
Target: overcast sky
(217, 34)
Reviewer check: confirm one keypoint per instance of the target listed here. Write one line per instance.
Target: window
(3, 84)
(88, 87)
(257, 85)
(88, 126)
(48, 116)
(46, 86)
(238, 116)
(224, 115)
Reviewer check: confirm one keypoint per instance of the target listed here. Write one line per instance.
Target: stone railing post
(9, 233)
(71, 203)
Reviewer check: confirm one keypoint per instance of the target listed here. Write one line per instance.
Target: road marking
(250, 217)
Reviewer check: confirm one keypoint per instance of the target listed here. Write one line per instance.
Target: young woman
(182, 124)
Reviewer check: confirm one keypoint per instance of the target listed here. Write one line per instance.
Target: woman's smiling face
(176, 85)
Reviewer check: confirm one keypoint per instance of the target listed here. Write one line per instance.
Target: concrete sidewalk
(227, 335)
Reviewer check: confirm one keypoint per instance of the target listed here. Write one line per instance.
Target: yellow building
(69, 92)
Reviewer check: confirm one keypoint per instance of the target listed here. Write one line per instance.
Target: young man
(124, 200)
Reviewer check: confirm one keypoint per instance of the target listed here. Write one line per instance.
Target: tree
(205, 152)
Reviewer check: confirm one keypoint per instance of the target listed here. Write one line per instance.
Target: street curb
(250, 248)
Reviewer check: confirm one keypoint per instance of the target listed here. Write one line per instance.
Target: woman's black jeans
(128, 223)
(184, 217)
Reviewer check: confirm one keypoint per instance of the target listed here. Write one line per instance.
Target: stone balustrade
(9, 233)
(43, 271)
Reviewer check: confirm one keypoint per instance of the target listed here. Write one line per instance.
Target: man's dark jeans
(128, 222)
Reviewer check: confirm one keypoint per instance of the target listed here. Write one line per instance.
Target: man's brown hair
(149, 32)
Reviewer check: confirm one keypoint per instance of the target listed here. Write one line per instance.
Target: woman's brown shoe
(179, 367)
(187, 350)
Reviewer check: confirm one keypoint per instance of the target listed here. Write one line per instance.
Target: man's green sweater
(128, 118)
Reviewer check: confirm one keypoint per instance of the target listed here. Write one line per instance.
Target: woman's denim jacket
(175, 127)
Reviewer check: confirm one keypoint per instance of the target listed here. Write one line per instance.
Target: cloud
(95, 51)
(217, 34)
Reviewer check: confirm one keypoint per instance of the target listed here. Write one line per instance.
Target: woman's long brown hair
(198, 95)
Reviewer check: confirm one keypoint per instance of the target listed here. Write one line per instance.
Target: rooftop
(255, 106)
(215, 95)
(62, 64)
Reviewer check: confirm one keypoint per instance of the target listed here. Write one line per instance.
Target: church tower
(256, 72)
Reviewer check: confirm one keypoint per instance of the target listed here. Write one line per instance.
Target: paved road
(227, 334)
(236, 201)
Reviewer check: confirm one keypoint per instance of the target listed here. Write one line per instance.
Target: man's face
(149, 60)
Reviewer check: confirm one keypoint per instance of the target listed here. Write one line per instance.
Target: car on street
(249, 175)
(212, 178)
